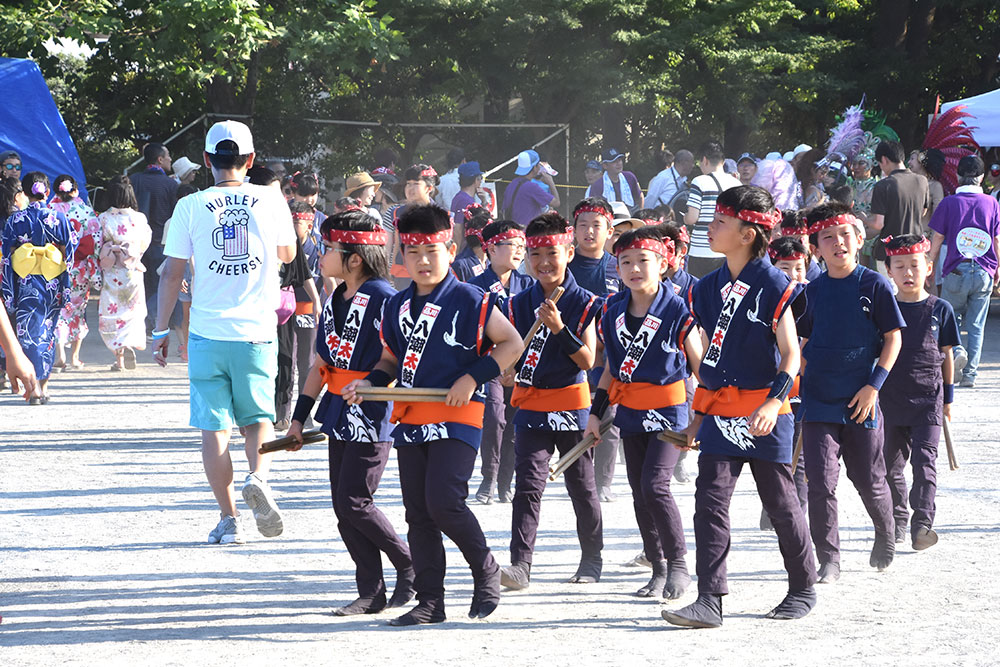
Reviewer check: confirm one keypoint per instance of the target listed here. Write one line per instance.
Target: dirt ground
(105, 512)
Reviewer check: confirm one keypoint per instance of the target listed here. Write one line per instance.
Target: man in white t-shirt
(705, 189)
(238, 234)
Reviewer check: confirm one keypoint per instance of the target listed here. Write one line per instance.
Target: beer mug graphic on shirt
(232, 236)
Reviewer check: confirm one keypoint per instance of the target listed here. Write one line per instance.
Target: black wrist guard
(568, 341)
(484, 370)
(600, 403)
(303, 408)
(781, 386)
(379, 378)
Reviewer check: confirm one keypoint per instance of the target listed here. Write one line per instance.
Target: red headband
(442, 236)
(663, 248)
(842, 219)
(790, 257)
(916, 249)
(794, 231)
(592, 209)
(765, 220)
(304, 216)
(650, 221)
(550, 240)
(428, 173)
(470, 210)
(504, 236)
(682, 234)
(377, 237)
(383, 170)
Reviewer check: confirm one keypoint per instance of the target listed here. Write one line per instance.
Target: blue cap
(469, 169)
(526, 161)
(611, 155)
(593, 164)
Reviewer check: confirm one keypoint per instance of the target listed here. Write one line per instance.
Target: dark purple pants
(919, 444)
(532, 451)
(717, 476)
(355, 472)
(434, 479)
(497, 450)
(823, 444)
(650, 463)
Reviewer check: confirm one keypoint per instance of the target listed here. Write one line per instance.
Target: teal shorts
(231, 381)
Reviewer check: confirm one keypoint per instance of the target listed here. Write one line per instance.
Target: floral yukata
(35, 283)
(125, 235)
(84, 270)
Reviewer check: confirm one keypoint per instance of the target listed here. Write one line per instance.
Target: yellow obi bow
(47, 261)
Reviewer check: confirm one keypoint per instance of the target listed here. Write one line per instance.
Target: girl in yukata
(125, 235)
(35, 283)
(84, 269)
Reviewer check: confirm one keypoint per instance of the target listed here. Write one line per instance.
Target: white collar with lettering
(969, 188)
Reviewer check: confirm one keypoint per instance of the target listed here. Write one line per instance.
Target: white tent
(986, 110)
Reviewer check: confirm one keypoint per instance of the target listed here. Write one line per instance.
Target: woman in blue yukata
(34, 283)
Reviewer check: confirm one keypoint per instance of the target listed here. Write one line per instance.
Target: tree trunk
(891, 23)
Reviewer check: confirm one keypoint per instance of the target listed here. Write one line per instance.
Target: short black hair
(829, 209)
(9, 187)
(153, 151)
(296, 206)
(794, 220)
(481, 217)
(648, 232)
(426, 219)
(599, 202)
(120, 193)
(842, 193)
(787, 245)
(416, 173)
(185, 189)
(374, 263)
(647, 214)
(665, 213)
(466, 181)
(546, 224)
(385, 157)
(750, 198)
(901, 241)
(712, 151)
(454, 158)
(890, 150)
(64, 196)
(228, 159)
(672, 231)
(305, 185)
(259, 175)
(499, 227)
(29, 180)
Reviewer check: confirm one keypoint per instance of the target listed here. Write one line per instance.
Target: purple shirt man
(525, 198)
(969, 221)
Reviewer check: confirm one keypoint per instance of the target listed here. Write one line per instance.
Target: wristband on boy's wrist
(600, 404)
(379, 378)
(568, 341)
(303, 408)
(485, 369)
(157, 335)
(949, 394)
(877, 378)
(780, 387)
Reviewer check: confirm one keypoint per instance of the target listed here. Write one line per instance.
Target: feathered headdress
(847, 140)
(875, 132)
(948, 140)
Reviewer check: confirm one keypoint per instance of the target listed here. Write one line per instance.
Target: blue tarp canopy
(30, 123)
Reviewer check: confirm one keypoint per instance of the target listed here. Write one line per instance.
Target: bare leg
(74, 356)
(256, 434)
(219, 468)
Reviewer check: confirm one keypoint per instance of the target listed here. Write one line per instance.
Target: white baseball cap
(773, 155)
(801, 148)
(787, 157)
(229, 130)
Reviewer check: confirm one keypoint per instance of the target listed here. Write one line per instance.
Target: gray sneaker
(961, 359)
(229, 531)
(257, 495)
(967, 382)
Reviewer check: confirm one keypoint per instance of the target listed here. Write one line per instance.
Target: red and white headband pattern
(471, 210)
(504, 236)
(442, 236)
(785, 257)
(550, 240)
(842, 219)
(765, 220)
(682, 234)
(308, 215)
(663, 248)
(429, 172)
(794, 231)
(592, 209)
(376, 237)
(916, 249)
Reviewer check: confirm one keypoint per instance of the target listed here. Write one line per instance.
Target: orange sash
(573, 397)
(337, 378)
(646, 396)
(795, 387)
(733, 402)
(433, 413)
(303, 307)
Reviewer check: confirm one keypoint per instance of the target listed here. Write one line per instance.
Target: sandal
(116, 368)
(129, 355)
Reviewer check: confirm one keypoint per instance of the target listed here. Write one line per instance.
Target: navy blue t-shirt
(599, 276)
(877, 302)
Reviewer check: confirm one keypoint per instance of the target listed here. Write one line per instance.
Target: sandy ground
(105, 512)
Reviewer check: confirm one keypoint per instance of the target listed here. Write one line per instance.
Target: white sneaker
(961, 359)
(257, 495)
(228, 531)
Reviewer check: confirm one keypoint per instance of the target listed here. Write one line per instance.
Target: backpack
(679, 202)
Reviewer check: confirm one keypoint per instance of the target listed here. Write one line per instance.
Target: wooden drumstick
(556, 293)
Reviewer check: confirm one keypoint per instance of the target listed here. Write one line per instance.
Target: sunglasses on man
(12, 167)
